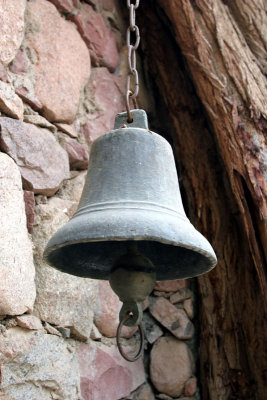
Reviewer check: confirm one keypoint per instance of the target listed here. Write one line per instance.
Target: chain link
(132, 82)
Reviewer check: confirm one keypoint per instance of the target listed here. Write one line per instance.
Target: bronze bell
(131, 195)
(130, 217)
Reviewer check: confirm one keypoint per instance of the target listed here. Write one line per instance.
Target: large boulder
(62, 65)
(43, 163)
(62, 299)
(171, 366)
(11, 28)
(17, 288)
(36, 365)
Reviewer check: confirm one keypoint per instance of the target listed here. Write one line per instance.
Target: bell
(131, 203)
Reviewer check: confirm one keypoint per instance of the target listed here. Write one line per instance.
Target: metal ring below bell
(141, 348)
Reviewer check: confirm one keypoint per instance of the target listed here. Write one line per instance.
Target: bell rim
(213, 259)
(202, 247)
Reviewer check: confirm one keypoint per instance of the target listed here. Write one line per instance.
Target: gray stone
(37, 154)
(144, 392)
(39, 121)
(11, 28)
(10, 322)
(10, 103)
(73, 187)
(17, 288)
(65, 332)
(171, 366)
(62, 299)
(36, 365)
(151, 328)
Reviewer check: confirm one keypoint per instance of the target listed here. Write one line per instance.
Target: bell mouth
(96, 259)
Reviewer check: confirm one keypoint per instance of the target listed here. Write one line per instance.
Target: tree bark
(207, 61)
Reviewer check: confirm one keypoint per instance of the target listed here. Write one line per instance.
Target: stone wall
(62, 76)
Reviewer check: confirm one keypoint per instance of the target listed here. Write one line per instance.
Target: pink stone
(78, 156)
(98, 37)
(190, 387)
(162, 294)
(67, 6)
(170, 366)
(170, 286)
(28, 98)
(105, 375)
(68, 129)
(50, 329)
(181, 295)
(175, 320)
(107, 310)
(95, 334)
(109, 5)
(10, 103)
(189, 308)
(11, 28)
(3, 74)
(105, 94)
(20, 64)
(29, 209)
(63, 61)
(36, 152)
(29, 322)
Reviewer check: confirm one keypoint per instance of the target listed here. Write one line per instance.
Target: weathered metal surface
(131, 195)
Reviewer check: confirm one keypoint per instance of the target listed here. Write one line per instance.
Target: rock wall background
(62, 77)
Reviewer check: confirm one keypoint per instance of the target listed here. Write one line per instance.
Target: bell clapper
(132, 278)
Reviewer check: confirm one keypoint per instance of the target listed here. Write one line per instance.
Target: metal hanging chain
(132, 78)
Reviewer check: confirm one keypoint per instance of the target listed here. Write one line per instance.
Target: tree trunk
(206, 59)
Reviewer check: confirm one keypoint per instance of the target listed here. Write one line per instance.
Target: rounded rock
(170, 366)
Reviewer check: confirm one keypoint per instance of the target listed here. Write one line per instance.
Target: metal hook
(141, 332)
(127, 98)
